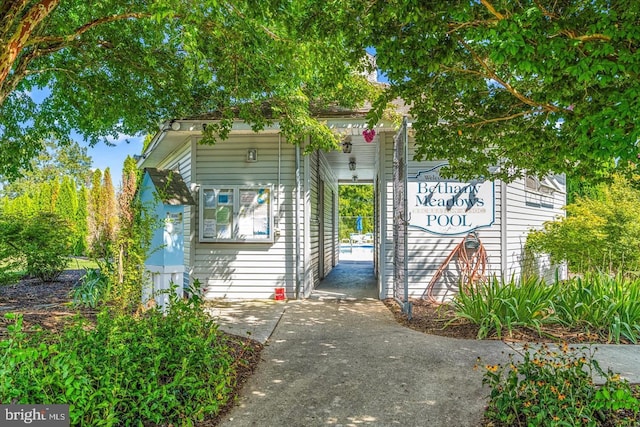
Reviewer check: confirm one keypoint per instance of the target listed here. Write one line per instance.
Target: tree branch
(456, 26)
(586, 38)
(86, 27)
(27, 25)
(492, 9)
(544, 11)
(8, 11)
(19, 72)
(505, 84)
(46, 70)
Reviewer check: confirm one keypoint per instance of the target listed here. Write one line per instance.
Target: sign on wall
(449, 207)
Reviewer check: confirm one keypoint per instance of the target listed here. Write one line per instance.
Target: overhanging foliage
(534, 86)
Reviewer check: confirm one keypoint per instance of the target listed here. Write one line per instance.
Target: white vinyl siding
(522, 217)
(428, 251)
(386, 220)
(249, 270)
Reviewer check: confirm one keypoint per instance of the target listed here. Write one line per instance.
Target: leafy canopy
(534, 86)
(112, 68)
(496, 87)
(54, 162)
(600, 232)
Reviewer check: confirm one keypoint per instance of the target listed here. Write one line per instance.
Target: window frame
(240, 208)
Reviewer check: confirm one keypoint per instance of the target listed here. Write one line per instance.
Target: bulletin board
(236, 214)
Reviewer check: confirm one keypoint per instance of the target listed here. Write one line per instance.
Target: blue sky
(113, 157)
(103, 155)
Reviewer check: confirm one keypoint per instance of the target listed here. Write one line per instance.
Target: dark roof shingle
(170, 186)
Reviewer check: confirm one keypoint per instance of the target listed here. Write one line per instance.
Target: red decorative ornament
(369, 134)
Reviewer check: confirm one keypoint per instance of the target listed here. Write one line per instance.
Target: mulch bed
(44, 304)
(440, 320)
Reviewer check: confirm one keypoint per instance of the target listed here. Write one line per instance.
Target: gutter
(297, 213)
(503, 228)
(155, 141)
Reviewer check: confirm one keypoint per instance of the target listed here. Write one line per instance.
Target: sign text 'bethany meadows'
(449, 207)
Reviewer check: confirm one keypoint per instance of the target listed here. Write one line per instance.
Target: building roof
(170, 187)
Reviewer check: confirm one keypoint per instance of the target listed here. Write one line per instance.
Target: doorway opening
(357, 226)
(354, 276)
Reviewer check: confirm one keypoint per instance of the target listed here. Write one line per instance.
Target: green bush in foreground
(171, 368)
(556, 388)
(597, 304)
(601, 304)
(40, 244)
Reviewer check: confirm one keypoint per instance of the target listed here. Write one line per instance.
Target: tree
(81, 222)
(355, 201)
(118, 68)
(102, 214)
(599, 233)
(529, 86)
(46, 196)
(66, 204)
(109, 208)
(95, 217)
(54, 162)
(132, 242)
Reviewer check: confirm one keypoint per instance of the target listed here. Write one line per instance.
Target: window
(539, 193)
(236, 214)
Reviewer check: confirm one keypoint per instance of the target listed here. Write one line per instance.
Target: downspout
(277, 217)
(297, 212)
(503, 228)
(405, 142)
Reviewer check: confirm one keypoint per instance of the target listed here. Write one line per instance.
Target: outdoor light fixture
(252, 155)
(352, 164)
(346, 145)
(355, 178)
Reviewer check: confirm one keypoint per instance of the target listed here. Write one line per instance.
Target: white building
(266, 216)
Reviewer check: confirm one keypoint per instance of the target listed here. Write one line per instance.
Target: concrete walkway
(340, 359)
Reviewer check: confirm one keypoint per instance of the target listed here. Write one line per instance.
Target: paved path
(334, 360)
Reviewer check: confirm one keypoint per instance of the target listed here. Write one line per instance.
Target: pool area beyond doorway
(353, 252)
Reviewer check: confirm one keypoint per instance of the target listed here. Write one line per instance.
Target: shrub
(497, 306)
(556, 388)
(601, 232)
(93, 289)
(171, 368)
(597, 303)
(600, 303)
(46, 241)
(41, 243)
(12, 263)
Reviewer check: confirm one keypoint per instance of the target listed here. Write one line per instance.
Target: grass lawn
(78, 263)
